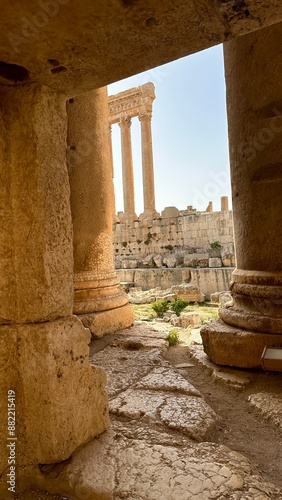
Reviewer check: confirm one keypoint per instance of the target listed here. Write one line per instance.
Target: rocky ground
(181, 428)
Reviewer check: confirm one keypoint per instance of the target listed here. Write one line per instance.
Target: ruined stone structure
(52, 51)
(174, 233)
(122, 108)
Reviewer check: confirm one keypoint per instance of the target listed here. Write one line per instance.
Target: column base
(94, 300)
(61, 401)
(231, 346)
(149, 215)
(105, 322)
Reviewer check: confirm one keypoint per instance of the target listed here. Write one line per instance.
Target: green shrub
(177, 305)
(160, 307)
(173, 337)
(215, 244)
(168, 247)
(124, 244)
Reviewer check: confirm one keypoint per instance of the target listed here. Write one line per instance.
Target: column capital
(125, 121)
(145, 115)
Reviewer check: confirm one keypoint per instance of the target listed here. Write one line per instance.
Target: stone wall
(207, 280)
(177, 238)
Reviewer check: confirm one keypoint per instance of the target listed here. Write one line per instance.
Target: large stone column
(115, 218)
(98, 301)
(44, 350)
(127, 170)
(147, 166)
(254, 101)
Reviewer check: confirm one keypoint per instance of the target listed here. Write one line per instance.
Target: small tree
(177, 305)
(160, 307)
(173, 337)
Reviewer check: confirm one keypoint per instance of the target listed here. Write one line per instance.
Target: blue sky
(189, 128)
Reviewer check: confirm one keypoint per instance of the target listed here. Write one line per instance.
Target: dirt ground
(241, 429)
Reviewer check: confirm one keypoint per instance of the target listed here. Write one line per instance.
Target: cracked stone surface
(192, 416)
(165, 379)
(113, 467)
(124, 368)
(269, 406)
(154, 449)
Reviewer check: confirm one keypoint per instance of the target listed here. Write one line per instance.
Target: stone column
(115, 218)
(44, 354)
(254, 102)
(224, 204)
(147, 167)
(127, 170)
(98, 301)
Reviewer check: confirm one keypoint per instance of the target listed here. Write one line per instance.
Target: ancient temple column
(44, 353)
(127, 170)
(254, 103)
(224, 204)
(115, 218)
(147, 166)
(98, 301)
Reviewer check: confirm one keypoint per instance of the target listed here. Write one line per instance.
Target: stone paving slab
(124, 368)
(188, 414)
(112, 467)
(269, 406)
(167, 379)
(233, 377)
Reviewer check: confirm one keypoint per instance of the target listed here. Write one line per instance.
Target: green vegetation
(207, 313)
(168, 247)
(160, 307)
(124, 244)
(177, 305)
(215, 244)
(173, 337)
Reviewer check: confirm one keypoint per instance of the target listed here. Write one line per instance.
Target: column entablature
(130, 102)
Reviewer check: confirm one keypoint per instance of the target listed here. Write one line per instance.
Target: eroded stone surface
(124, 368)
(114, 467)
(192, 416)
(235, 378)
(165, 379)
(269, 406)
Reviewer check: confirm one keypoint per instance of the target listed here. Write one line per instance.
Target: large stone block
(227, 345)
(188, 292)
(196, 260)
(61, 400)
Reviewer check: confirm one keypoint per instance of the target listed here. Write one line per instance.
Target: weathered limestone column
(44, 350)
(115, 218)
(224, 204)
(254, 101)
(98, 301)
(145, 118)
(127, 170)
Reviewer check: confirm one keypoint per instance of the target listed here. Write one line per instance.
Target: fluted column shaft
(96, 292)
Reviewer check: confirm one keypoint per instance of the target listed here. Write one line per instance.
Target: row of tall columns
(147, 168)
(98, 300)
(254, 105)
(60, 398)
